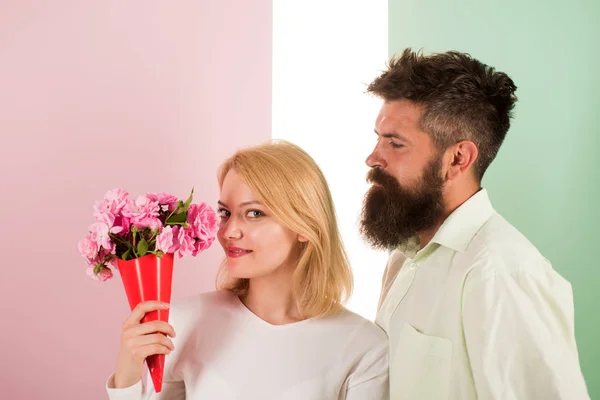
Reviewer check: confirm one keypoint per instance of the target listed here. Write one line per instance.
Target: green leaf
(178, 205)
(117, 238)
(126, 255)
(97, 268)
(177, 218)
(142, 247)
(187, 203)
(157, 253)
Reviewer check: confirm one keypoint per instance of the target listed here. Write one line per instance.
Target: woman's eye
(255, 214)
(223, 213)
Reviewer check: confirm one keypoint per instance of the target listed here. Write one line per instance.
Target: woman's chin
(237, 271)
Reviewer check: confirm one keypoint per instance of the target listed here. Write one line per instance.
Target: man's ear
(459, 158)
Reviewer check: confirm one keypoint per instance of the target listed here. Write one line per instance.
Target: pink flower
(186, 242)
(203, 220)
(118, 198)
(101, 256)
(202, 245)
(113, 263)
(103, 275)
(104, 216)
(99, 234)
(115, 216)
(121, 226)
(164, 199)
(110, 207)
(88, 248)
(152, 223)
(143, 213)
(167, 240)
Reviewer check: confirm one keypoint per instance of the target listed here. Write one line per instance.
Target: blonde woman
(276, 327)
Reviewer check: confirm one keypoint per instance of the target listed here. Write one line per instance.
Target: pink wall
(143, 95)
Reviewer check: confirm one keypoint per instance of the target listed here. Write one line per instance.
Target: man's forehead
(388, 119)
(402, 108)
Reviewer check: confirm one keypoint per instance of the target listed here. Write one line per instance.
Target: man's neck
(451, 202)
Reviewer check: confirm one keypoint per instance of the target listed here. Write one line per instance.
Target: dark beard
(393, 214)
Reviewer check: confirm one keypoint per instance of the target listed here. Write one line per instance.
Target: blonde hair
(291, 185)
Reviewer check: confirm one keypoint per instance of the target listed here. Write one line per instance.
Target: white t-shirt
(223, 352)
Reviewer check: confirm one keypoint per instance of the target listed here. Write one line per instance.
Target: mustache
(379, 176)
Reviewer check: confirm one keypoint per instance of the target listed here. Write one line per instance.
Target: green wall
(546, 179)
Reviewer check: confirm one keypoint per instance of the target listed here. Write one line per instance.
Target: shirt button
(413, 265)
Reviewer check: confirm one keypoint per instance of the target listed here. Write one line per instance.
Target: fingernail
(165, 305)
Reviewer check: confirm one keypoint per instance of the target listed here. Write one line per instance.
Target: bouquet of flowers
(157, 223)
(139, 238)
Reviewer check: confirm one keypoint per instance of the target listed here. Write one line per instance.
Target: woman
(276, 328)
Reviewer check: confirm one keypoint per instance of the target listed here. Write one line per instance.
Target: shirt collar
(459, 228)
(462, 225)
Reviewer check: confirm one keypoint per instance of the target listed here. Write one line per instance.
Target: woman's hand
(140, 340)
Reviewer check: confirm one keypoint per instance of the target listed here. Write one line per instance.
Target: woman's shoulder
(358, 340)
(358, 328)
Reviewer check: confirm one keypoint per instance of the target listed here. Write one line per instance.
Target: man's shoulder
(501, 247)
(497, 234)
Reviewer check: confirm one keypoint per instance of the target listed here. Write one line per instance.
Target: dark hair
(463, 99)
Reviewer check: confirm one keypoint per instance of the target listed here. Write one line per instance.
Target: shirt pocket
(421, 366)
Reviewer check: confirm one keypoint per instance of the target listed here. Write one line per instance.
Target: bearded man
(471, 307)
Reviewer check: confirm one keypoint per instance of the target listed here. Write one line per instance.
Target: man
(472, 309)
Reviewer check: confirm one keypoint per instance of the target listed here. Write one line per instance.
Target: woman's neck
(270, 298)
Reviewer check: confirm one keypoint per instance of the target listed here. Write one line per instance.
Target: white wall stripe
(324, 54)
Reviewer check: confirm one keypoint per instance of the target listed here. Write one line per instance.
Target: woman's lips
(236, 252)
